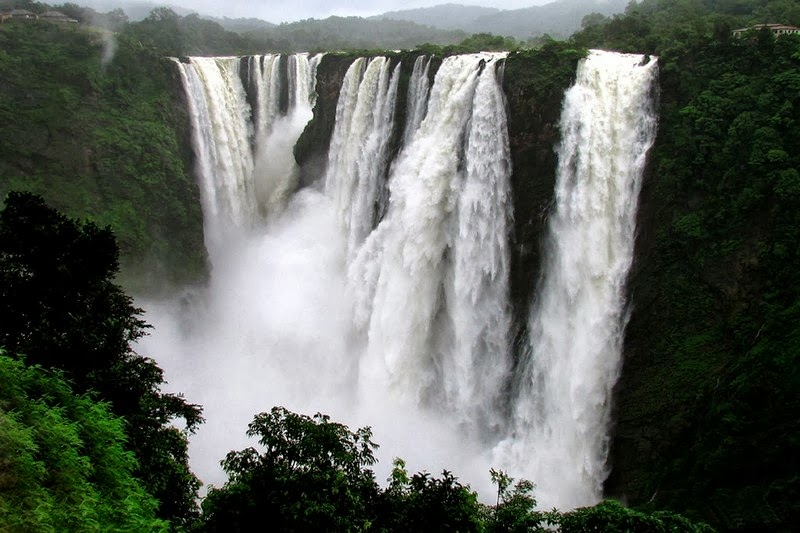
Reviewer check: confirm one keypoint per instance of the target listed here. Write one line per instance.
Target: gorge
(703, 414)
(380, 291)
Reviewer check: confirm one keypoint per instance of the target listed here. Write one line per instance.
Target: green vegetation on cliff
(706, 417)
(64, 464)
(60, 308)
(96, 125)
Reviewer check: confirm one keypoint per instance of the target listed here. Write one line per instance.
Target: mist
(274, 328)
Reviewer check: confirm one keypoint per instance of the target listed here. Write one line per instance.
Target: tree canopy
(60, 308)
(310, 473)
(63, 457)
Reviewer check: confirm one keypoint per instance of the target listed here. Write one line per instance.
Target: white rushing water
(221, 131)
(561, 415)
(430, 282)
(418, 90)
(380, 295)
(357, 158)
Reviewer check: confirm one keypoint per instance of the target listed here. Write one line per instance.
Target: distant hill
(349, 33)
(134, 9)
(445, 16)
(558, 19)
(242, 25)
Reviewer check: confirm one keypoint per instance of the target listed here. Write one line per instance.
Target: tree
(482, 42)
(610, 516)
(63, 457)
(61, 309)
(160, 31)
(60, 306)
(516, 507)
(117, 19)
(311, 475)
(426, 503)
(593, 19)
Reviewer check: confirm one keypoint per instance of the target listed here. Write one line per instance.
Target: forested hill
(351, 33)
(95, 124)
(446, 16)
(557, 19)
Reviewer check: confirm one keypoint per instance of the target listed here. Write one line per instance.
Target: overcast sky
(290, 10)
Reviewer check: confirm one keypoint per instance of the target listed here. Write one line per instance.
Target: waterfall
(562, 411)
(265, 81)
(357, 156)
(220, 120)
(417, 104)
(430, 281)
(380, 294)
(244, 153)
(479, 362)
(275, 172)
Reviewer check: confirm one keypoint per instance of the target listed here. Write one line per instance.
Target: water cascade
(379, 295)
(220, 125)
(357, 158)
(243, 151)
(418, 89)
(430, 281)
(561, 414)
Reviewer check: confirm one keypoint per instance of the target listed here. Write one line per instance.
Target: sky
(277, 11)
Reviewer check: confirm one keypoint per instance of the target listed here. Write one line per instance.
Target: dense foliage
(63, 461)
(166, 33)
(60, 308)
(478, 42)
(707, 404)
(95, 125)
(313, 474)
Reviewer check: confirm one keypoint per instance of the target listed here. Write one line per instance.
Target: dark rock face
(534, 109)
(311, 150)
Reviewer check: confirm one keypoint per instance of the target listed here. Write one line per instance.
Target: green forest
(96, 177)
(93, 123)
